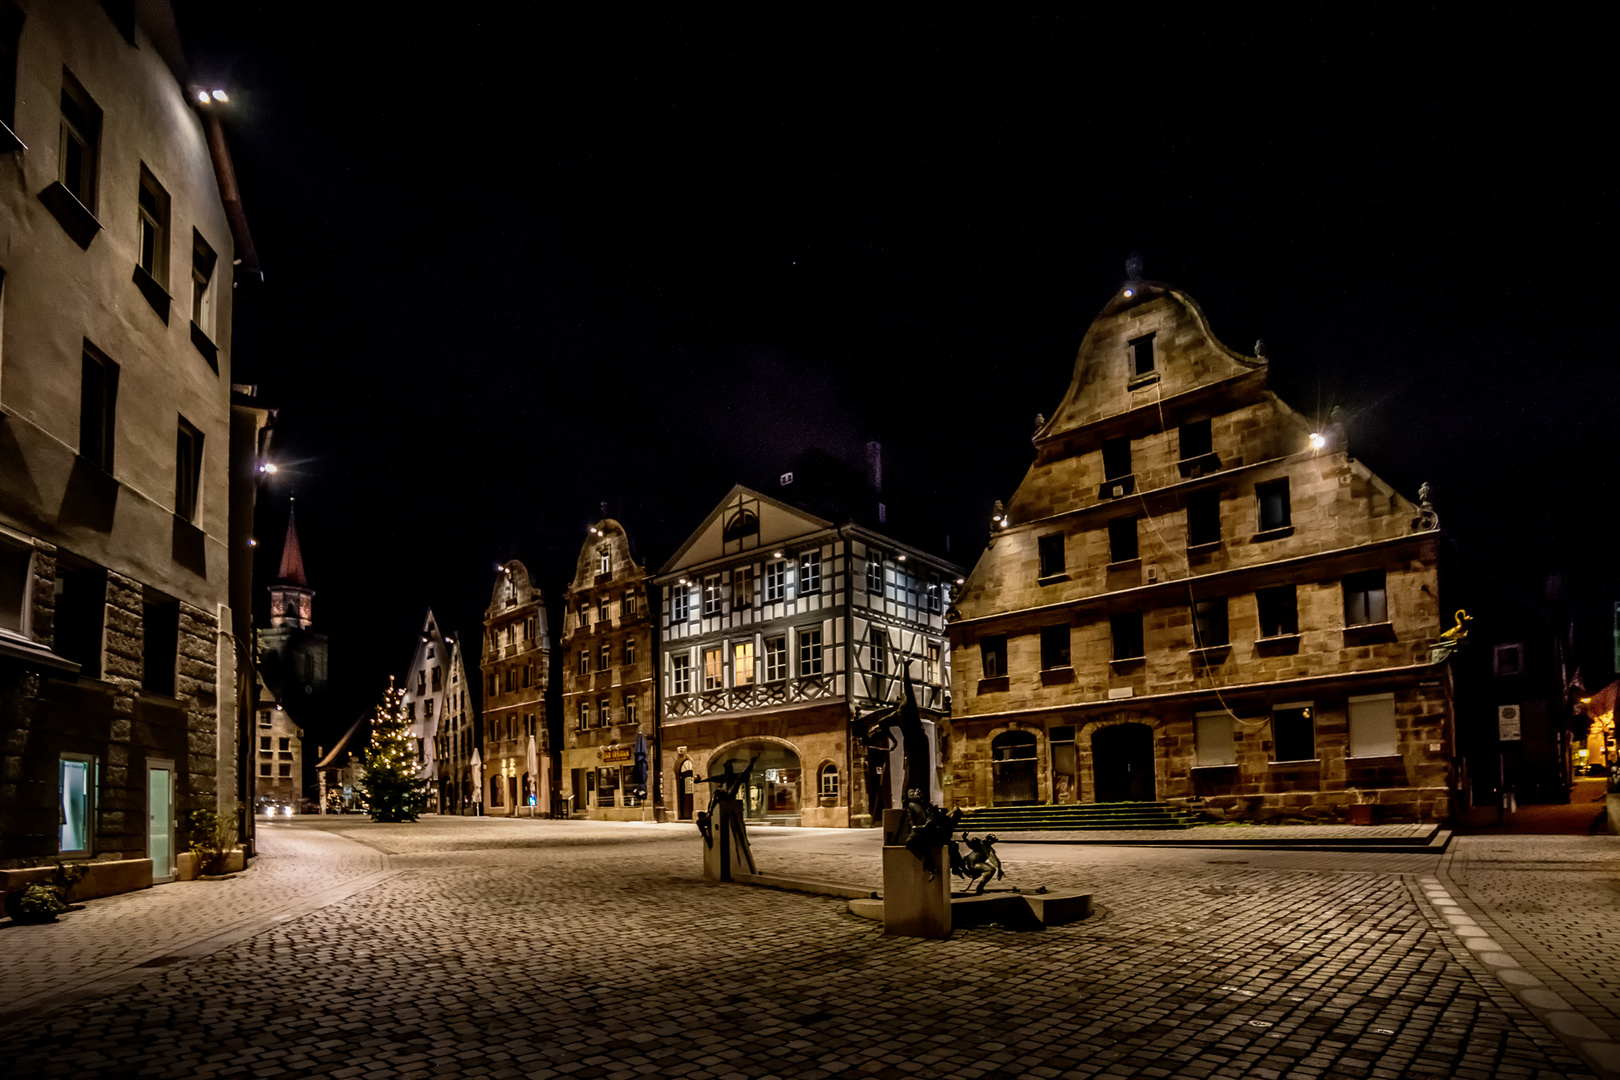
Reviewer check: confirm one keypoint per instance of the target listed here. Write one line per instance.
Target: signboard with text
(1507, 723)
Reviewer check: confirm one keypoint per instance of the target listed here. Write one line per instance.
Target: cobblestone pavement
(550, 950)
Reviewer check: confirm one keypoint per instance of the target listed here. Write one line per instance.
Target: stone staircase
(1065, 816)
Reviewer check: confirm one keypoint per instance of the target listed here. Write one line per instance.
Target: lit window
(742, 663)
(809, 652)
(931, 664)
(713, 675)
(809, 573)
(604, 561)
(76, 787)
(775, 659)
(828, 782)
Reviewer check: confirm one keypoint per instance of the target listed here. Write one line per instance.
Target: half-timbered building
(1198, 596)
(609, 687)
(457, 735)
(781, 630)
(517, 670)
(425, 685)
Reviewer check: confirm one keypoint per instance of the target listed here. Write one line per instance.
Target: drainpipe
(849, 672)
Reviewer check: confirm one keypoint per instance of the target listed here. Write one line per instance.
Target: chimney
(874, 466)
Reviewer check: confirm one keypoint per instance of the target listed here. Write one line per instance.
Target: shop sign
(1507, 723)
(615, 755)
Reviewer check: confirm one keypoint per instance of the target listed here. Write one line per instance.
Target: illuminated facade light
(219, 95)
(1129, 293)
(202, 97)
(1318, 440)
(269, 467)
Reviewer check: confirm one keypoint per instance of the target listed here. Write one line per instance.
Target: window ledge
(1051, 579)
(155, 294)
(1207, 548)
(74, 217)
(9, 140)
(1117, 487)
(1054, 675)
(1211, 768)
(202, 343)
(1125, 662)
(992, 686)
(1138, 382)
(1273, 534)
(1210, 650)
(1294, 764)
(1277, 645)
(1124, 564)
(1354, 760)
(1365, 633)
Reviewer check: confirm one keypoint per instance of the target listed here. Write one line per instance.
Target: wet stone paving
(539, 949)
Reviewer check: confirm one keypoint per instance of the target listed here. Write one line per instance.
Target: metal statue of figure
(878, 742)
(981, 862)
(925, 829)
(705, 828)
(728, 783)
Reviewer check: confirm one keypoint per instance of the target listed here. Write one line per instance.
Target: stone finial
(1133, 267)
(1040, 421)
(1260, 348)
(1427, 520)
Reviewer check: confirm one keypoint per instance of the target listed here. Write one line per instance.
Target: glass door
(160, 819)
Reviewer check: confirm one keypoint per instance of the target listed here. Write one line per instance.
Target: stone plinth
(914, 906)
(729, 853)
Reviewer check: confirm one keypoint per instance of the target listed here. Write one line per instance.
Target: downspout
(848, 652)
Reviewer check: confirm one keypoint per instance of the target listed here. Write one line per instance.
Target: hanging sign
(615, 755)
(1507, 723)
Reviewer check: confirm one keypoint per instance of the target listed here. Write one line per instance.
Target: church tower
(291, 598)
(292, 656)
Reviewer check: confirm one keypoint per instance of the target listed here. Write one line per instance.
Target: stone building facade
(1197, 596)
(609, 689)
(118, 667)
(780, 630)
(278, 758)
(427, 686)
(516, 751)
(457, 736)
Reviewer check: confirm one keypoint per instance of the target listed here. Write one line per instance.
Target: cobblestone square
(458, 947)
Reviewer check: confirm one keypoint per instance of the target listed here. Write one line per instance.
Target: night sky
(515, 268)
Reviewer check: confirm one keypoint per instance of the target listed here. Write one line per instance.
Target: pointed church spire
(292, 556)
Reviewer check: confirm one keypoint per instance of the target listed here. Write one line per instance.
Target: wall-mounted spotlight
(1318, 440)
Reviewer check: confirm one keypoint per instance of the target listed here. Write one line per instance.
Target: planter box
(104, 878)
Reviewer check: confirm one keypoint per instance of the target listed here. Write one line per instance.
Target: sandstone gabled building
(781, 631)
(457, 735)
(1197, 596)
(609, 657)
(517, 670)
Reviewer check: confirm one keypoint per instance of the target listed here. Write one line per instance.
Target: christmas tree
(390, 783)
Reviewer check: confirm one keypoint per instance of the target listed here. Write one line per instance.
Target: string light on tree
(390, 783)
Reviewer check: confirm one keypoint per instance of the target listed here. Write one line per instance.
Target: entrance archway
(773, 791)
(685, 783)
(1012, 769)
(1122, 763)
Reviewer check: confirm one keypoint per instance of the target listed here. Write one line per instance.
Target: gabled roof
(292, 557)
(777, 522)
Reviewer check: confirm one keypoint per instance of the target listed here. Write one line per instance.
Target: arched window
(741, 524)
(827, 780)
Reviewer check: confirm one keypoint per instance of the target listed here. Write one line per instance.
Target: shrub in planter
(212, 838)
(43, 901)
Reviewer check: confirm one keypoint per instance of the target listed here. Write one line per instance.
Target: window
(76, 784)
(775, 580)
(264, 742)
(809, 573)
(1050, 550)
(680, 603)
(1279, 611)
(874, 572)
(775, 659)
(628, 606)
(877, 646)
(1122, 540)
(496, 784)
(421, 682)
(931, 664)
(1141, 355)
(1365, 603)
(1293, 730)
(584, 612)
(188, 449)
(264, 718)
(584, 715)
(711, 595)
(16, 577)
(742, 663)
(79, 142)
(584, 661)
(1209, 623)
(602, 615)
(742, 588)
(264, 768)
(604, 560)
(1196, 440)
(435, 680)
(809, 652)
(934, 590)
(1372, 725)
(1116, 459)
(1054, 647)
(630, 709)
(713, 671)
(98, 401)
(284, 744)
(1273, 499)
(680, 674)
(1213, 741)
(410, 710)
(1508, 660)
(993, 656)
(603, 714)
(152, 238)
(827, 781)
(203, 260)
(1203, 518)
(604, 657)
(493, 687)
(160, 630)
(427, 709)
(1127, 630)
(629, 652)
